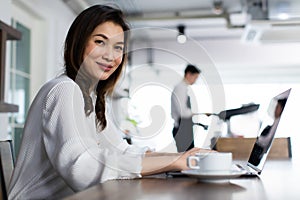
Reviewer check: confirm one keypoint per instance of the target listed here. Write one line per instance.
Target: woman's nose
(108, 54)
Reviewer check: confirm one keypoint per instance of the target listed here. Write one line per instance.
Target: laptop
(263, 143)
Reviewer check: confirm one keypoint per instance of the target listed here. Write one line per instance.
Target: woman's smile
(104, 67)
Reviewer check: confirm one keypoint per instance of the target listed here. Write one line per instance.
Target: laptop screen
(265, 138)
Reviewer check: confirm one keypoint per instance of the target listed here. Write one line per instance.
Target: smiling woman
(61, 152)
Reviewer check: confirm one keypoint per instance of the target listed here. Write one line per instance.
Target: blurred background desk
(241, 147)
(279, 180)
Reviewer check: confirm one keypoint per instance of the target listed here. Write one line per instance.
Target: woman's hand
(157, 162)
(181, 162)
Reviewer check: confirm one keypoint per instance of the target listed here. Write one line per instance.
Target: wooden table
(279, 180)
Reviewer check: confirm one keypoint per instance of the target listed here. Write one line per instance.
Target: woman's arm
(156, 162)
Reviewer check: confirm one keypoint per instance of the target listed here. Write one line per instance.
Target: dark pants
(183, 135)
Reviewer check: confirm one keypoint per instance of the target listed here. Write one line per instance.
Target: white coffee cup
(213, 161)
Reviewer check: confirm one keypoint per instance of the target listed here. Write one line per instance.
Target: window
(19, 82)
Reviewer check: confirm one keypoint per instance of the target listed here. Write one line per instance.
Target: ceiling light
(181, 38)
(218, 7)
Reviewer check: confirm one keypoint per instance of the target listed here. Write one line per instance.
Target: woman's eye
(119, 48)
(101, 42)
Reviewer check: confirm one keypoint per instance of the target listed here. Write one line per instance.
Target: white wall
(5, 10)
(49, 22)
(236, 62)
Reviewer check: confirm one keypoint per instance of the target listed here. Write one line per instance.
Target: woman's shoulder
(59, 85)
(62, 81)
(60, 89)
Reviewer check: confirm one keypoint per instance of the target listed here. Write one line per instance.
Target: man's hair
(192, 69)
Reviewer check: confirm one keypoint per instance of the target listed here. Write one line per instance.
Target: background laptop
(265, 138)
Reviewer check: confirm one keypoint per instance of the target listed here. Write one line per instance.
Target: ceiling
(207, 19)
(230, 36)
(168, 14)
(158, 7)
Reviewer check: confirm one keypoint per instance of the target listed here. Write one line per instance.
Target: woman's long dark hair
(77, 37)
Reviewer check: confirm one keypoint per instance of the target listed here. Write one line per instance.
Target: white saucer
(213, 175)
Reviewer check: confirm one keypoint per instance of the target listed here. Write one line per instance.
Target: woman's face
(104, 51)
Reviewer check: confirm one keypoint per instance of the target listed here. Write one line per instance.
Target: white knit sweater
(60, 152)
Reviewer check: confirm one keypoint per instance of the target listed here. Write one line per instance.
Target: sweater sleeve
(70, 142)
(110, 138)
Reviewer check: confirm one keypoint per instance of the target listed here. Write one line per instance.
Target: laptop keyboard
(246, 168)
